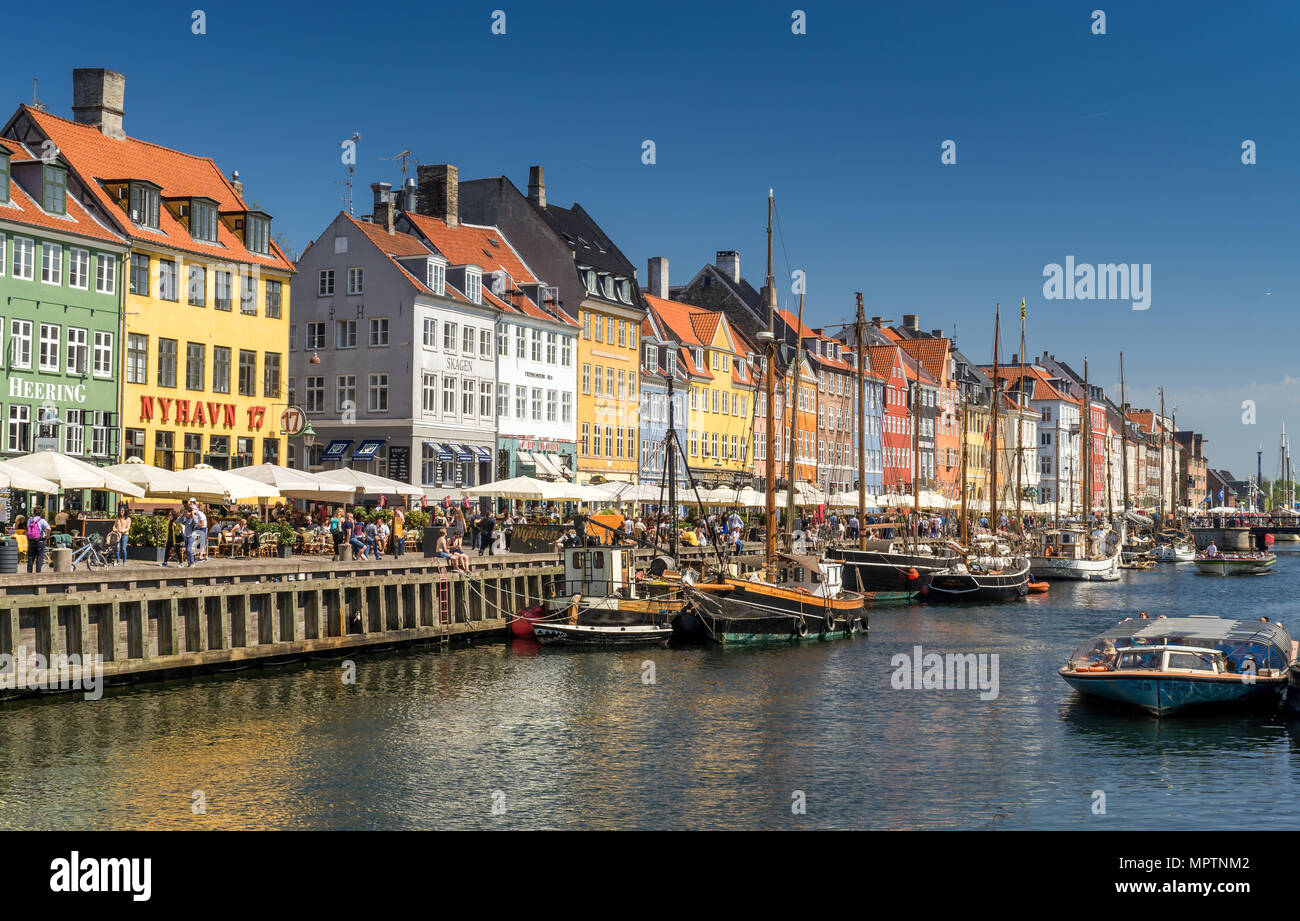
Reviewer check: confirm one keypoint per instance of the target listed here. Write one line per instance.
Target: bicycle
(91, 553)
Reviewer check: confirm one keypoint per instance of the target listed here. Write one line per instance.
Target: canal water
(517, 737)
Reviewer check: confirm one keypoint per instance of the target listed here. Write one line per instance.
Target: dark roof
(590, 244)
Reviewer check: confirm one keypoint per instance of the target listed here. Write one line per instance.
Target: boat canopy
(1267, 642)
(1139, 519)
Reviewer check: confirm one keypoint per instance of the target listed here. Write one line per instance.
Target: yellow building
(206, 299)
(609, 393)
(720, 400)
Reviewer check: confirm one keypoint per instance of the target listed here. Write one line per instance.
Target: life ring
(913, 575)
(800, 628)
(1050, 551)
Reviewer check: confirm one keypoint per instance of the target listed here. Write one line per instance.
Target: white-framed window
(566, 407)
(435, 276)
(314, 393)
(51, 340)
(24, 258)
(551, 346)
(448, 395)
(537, 404)
(467, 340)
(79, 268)
(51, 263)
(474, 286)
(535, 345)
(467, 391)
(521, 349)
(485, 399)
(503, 401)
(378, 332)
(20, 428)
(325, 285)
(503, 340)
(78, 351)
(356, 280)
(430, 333)
(521, 402)
(315, 336)
(345, 334)
(74, 433)
(429, 393)
(345, 392)
(377, 393)
(552, 405)
(3, 252)
(566, 352)
(20, 343)
(485, 344)
(449, 334)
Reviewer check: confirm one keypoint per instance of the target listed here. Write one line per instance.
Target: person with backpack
(38, 530)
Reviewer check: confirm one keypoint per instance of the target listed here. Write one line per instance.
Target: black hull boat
(602, 636)
(964, 586)
(885, 575)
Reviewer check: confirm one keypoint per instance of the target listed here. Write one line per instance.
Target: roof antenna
(36, 103)
(352, 168)
(402, 158)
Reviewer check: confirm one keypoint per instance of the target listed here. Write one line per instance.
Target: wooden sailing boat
(795, 596)
(994, 573)
(883, 570)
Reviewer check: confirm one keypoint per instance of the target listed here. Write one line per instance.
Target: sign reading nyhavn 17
(196, 412)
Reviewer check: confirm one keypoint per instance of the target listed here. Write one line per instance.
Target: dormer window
(607, 286)
(4, 178)
(145, 204)
(203, 220)
(625, 290)
(474, 285)
(589, 280)
(699, 359)
(257, 235)
(435, 276)
(54, 188)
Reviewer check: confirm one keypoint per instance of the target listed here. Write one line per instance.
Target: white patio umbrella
(155, 481)
(224, 485)
(520, 487)
(299, 484)
(70, 473)
(369, 483)
(12, 477)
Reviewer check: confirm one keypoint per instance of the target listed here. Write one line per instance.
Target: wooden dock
(144, 622)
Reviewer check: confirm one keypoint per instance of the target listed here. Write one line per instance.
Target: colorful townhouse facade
(597, 288)
(206, 288)
(60, 272)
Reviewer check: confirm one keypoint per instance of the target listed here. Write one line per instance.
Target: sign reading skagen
(26, 389)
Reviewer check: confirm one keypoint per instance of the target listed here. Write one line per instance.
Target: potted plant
(147, 538)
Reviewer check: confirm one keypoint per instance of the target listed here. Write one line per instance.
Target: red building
(896, 436)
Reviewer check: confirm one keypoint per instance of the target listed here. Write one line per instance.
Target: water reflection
(721, 738)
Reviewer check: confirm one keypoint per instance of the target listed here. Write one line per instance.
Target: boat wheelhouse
(603, 600)
(1074, 553)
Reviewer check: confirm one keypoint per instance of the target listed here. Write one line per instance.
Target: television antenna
(347, 196)
(402, 158)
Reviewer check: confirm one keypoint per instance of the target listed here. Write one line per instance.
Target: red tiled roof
(97, 158)
(675, 317)
(1038, 377)
(931, 353)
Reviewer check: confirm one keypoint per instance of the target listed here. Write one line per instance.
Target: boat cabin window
(1140, 660)
(1192, 661)
(598, 561)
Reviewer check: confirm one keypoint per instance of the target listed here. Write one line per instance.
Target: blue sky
(1123, 147)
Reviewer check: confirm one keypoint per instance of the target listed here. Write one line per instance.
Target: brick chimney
(438, 193)
(728, 263)
(537, 186)
(657, 277)
(97, 99)
(385, 205)
(910, 322)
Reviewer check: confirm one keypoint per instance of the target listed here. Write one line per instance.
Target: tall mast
(1020, 421)
(672, 472)
(916, 458)
(965, 523)
(1161, 424)
(794, 415)
(1123, 430)
(993, 436)
(1056, 466)
(769, 436)
(1175, 489)
(1085, 451)
(861, 333)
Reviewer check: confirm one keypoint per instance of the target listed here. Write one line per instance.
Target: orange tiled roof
(675, 317)
(1038, 377)
(97, 158)
(487, 248)
(23, 209)
(931, 353)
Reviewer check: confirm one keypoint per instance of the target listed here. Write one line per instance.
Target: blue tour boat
(1170, 665)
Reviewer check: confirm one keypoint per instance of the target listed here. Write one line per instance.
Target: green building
(61, 283)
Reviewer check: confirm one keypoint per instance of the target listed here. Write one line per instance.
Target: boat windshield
(1192, 661)
(1140, 659)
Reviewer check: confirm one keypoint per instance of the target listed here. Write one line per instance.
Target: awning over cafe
(335, 449)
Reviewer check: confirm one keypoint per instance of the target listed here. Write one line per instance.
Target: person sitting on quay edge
(354, 533)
